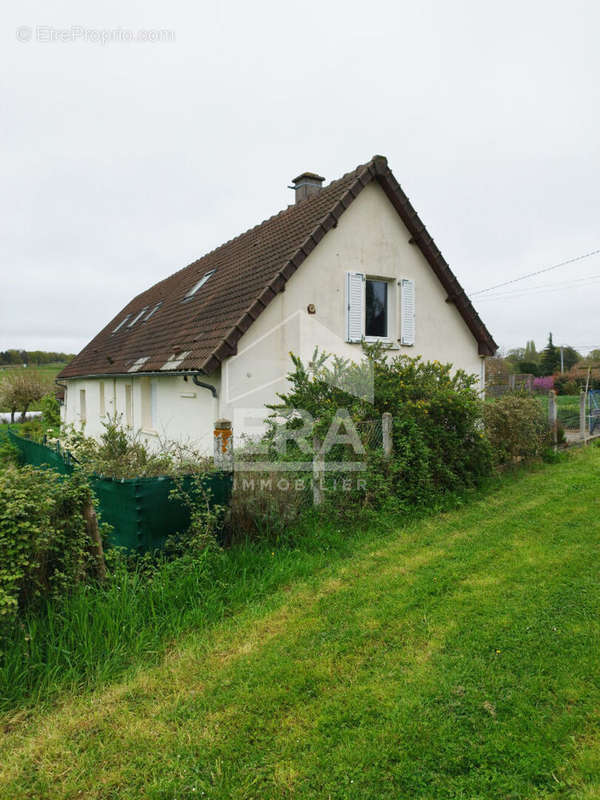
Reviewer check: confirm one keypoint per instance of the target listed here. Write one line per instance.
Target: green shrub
(32, 429)
(570, 387)
(516, 427)
(206, 517)
(121, 453)
(438, 445)
(50, 412)
(44, 545)
(10, 455)
(527, 368)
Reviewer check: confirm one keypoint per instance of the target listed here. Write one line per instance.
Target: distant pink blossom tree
(543, 384)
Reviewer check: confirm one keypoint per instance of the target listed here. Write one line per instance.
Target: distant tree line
(18, 357)
(548, 361)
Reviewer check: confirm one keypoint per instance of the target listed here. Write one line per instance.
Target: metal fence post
(223, 445)
(552, 417)
(386, 429)
(582, 419)
(318, 461)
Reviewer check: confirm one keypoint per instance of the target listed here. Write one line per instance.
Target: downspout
(212, 389)
(204, 385)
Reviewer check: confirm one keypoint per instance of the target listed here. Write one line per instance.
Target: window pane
(376, 312)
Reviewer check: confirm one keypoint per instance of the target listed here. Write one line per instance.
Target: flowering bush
(543, 384)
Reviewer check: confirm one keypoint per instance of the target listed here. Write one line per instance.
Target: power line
(575, 283)
(537, 272)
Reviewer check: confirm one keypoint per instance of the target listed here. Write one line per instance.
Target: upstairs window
(199, 284)
(379, 309)
(376, 308)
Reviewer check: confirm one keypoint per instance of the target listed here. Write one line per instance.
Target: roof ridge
(254, 267)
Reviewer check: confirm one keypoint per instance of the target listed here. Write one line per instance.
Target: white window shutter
(407, 312)
(354, 306)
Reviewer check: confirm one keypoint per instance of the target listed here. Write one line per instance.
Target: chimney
(307, 185)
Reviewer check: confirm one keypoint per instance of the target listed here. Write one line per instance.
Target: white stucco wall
(370, 238)
(183, 412)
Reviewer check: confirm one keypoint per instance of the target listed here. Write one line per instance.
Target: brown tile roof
(250, 271)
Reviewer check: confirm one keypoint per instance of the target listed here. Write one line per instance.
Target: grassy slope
(456, 657)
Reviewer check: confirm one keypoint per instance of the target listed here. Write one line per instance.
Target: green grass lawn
(452, 657)
(47, 372)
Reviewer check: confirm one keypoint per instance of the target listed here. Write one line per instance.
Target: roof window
(199, 284)
(138, 316)
(123, 321)
(153, 311)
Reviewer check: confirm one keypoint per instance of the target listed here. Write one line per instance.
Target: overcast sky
(122, 162)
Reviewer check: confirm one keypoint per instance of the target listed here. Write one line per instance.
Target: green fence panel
(39, 455)
(140, 511)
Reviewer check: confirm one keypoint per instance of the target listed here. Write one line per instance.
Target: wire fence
(575, 420)
(371, 433)
(567, 411)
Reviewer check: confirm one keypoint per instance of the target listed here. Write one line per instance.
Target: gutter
(185, 372)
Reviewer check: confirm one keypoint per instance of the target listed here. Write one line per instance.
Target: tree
(18, 390)
(550, 361)
(531, 354)
(570, 357)
(527, 367)
(515, 355)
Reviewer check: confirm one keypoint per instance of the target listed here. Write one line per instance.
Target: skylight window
(199, 285)
(153, 311)
(138, 316)
(120, 325)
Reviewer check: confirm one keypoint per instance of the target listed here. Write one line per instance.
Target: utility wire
(575, 283)
(538, 272)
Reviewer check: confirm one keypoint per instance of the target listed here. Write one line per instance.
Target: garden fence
(577, 417)
(140, 510)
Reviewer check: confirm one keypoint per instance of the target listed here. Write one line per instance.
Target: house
(346, 261)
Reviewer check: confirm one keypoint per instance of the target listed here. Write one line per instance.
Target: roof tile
(250, 270)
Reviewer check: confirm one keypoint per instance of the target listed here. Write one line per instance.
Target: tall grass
(96, 633)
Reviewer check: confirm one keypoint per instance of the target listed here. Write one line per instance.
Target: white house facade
(366, 269)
